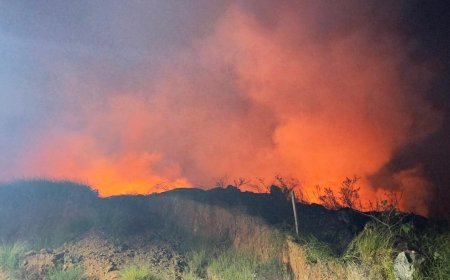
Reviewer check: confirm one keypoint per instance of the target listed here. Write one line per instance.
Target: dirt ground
(3, 275)
(102, 258)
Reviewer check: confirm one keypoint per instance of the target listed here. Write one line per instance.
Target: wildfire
(251, 100)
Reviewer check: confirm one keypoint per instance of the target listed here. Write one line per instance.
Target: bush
(138, 272)
(10, 258)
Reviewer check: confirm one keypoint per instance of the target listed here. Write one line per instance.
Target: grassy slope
(226, 232)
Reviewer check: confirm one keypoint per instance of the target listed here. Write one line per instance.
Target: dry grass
(248, 233)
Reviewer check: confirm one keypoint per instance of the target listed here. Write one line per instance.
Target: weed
(234, 264)
(197, 263)
(11, 256)
(138, 272)
(71, 273)
(373, 249)
(436, 247)
(316, 251)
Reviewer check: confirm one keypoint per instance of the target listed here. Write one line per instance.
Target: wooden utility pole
(294, 209)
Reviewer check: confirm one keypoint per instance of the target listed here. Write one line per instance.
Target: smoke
(317, 91)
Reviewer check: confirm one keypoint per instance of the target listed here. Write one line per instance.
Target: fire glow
(251, 100)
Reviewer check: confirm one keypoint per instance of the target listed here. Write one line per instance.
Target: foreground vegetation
(59, 273)
(11, 256)
(369, 256)
(138, 272)
(218, 240)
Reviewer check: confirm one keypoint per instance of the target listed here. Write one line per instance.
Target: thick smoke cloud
(313, 90)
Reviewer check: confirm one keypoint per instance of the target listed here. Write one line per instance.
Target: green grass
(11, 256)
(219, 259)
(436, 247)
(316, 251)
(199, 254)
(197, 263)
(238, 265)
(373, 249)
(58, 273)
(371, 254)
(233, 265)
(138, 272)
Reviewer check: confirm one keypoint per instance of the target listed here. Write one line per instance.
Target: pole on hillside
(294, 209)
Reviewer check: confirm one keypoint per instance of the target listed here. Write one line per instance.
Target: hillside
(61, 227)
